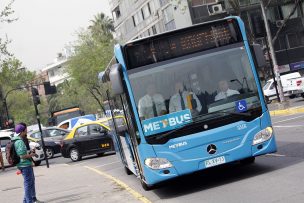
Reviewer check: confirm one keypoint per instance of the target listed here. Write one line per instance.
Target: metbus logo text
(166, 122)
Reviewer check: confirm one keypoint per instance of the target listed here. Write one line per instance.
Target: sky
(44, 27)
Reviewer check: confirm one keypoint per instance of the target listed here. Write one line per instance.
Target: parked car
(89, 138)
(33, 145)
(269, 88)
(52, 139)
(295, 87)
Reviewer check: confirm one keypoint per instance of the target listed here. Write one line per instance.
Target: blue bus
(191, 99)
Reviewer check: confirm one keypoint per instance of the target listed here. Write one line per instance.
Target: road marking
(288, 119)
(106, 164)
(79, 163)
(276, 155)
(287, 126)
(137, 195)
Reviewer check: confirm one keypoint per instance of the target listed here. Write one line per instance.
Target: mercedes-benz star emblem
(211, 149)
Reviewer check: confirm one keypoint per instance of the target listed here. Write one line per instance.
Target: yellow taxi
(87, 139)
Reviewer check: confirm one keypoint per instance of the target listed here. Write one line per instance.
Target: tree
(5, 17)
(93, 52)
(101, 25)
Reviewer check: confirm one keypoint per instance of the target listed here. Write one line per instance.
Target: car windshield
(266, 86)
(216, 81)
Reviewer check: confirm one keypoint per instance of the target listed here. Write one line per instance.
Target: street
(273, 178)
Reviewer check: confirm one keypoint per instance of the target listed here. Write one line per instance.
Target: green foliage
(93, 51)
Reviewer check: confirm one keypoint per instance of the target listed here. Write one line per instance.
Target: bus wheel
(128, 172)
(145, 186)
(249, 160)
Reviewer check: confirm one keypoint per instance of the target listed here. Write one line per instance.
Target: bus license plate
(214, 162)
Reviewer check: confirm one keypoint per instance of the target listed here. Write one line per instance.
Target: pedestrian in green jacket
(25, 164)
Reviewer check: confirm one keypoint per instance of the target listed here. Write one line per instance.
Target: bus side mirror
(259, 55)
(116, 79)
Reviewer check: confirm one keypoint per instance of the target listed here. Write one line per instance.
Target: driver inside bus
(183, 99)
(224, 92)
(152, 104)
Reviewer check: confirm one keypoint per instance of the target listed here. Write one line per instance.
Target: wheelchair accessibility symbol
(241, 106)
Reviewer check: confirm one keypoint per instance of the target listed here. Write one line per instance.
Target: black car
(52, 139)
(90, 138)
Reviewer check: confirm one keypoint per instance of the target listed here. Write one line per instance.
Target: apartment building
(56, 71)
(135, 19)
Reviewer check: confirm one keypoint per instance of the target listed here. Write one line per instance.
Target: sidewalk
(63, 183)
(295, 106)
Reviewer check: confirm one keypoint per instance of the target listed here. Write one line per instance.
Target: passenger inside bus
(224, 91)
(183, 99)
(152, 104)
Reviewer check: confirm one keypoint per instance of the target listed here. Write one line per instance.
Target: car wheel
(292, 96)
(302, 95)
(128, 172)
(37, 163)
(75, 155)
(267, 100)
(49, 152)
(100, 154)
(249, 160)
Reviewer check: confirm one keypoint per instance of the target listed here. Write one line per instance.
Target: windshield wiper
(200, 120)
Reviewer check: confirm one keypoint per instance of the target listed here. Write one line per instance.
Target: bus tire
(128, 172)
(145, 186)
(249, 160)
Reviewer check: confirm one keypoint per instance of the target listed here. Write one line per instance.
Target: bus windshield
(216, 80)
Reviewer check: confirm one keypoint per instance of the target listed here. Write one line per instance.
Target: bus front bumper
(183, 167)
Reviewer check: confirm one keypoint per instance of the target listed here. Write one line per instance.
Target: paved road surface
(273, 178)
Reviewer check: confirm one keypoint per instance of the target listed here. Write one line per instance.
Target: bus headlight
(262, 136)
(157, 163)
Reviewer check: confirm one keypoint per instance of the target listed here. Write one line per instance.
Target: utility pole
(36, 101)
(273, 57)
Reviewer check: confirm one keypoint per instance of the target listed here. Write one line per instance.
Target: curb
(289, 111)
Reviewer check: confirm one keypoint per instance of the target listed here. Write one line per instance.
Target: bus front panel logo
(166, 122)
(211, 149)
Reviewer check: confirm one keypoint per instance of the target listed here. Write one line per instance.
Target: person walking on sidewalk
(25, 164)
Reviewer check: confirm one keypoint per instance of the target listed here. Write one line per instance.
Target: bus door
(124, 135)
(127, 150)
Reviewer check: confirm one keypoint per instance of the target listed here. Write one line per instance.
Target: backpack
(11, 154)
